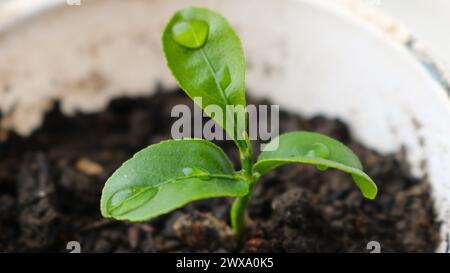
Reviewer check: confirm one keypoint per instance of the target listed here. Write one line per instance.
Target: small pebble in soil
(214, 233)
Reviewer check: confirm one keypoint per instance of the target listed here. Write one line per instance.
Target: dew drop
(129, 199)
(224, 77)
(187, 171)
(190, 33)
(119, 196)
(319, 150)
(197, 172)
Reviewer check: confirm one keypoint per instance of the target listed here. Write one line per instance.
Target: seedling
(206, 58)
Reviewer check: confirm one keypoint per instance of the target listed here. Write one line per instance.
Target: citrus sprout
(206, 58)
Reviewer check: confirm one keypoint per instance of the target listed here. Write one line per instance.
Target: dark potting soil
(50, 185)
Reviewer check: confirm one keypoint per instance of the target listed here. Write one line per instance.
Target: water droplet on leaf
(130, 198)
(190, 33)
(119, 196)
(224, 77)
(197, 172)
(187, 171)
(319, 150)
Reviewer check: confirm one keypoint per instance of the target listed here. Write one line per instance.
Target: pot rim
(13, 12)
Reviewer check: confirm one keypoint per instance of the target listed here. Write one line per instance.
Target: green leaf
(206, 58)
(168, 175)
(317, 149)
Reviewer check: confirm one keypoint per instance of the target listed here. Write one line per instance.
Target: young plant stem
(239, 208)
(238, 215)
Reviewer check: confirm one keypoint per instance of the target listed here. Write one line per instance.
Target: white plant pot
(330, 57)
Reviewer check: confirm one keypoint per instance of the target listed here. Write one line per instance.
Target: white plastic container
(336, 58)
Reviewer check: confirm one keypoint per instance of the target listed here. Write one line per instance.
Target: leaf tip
(366, 185)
